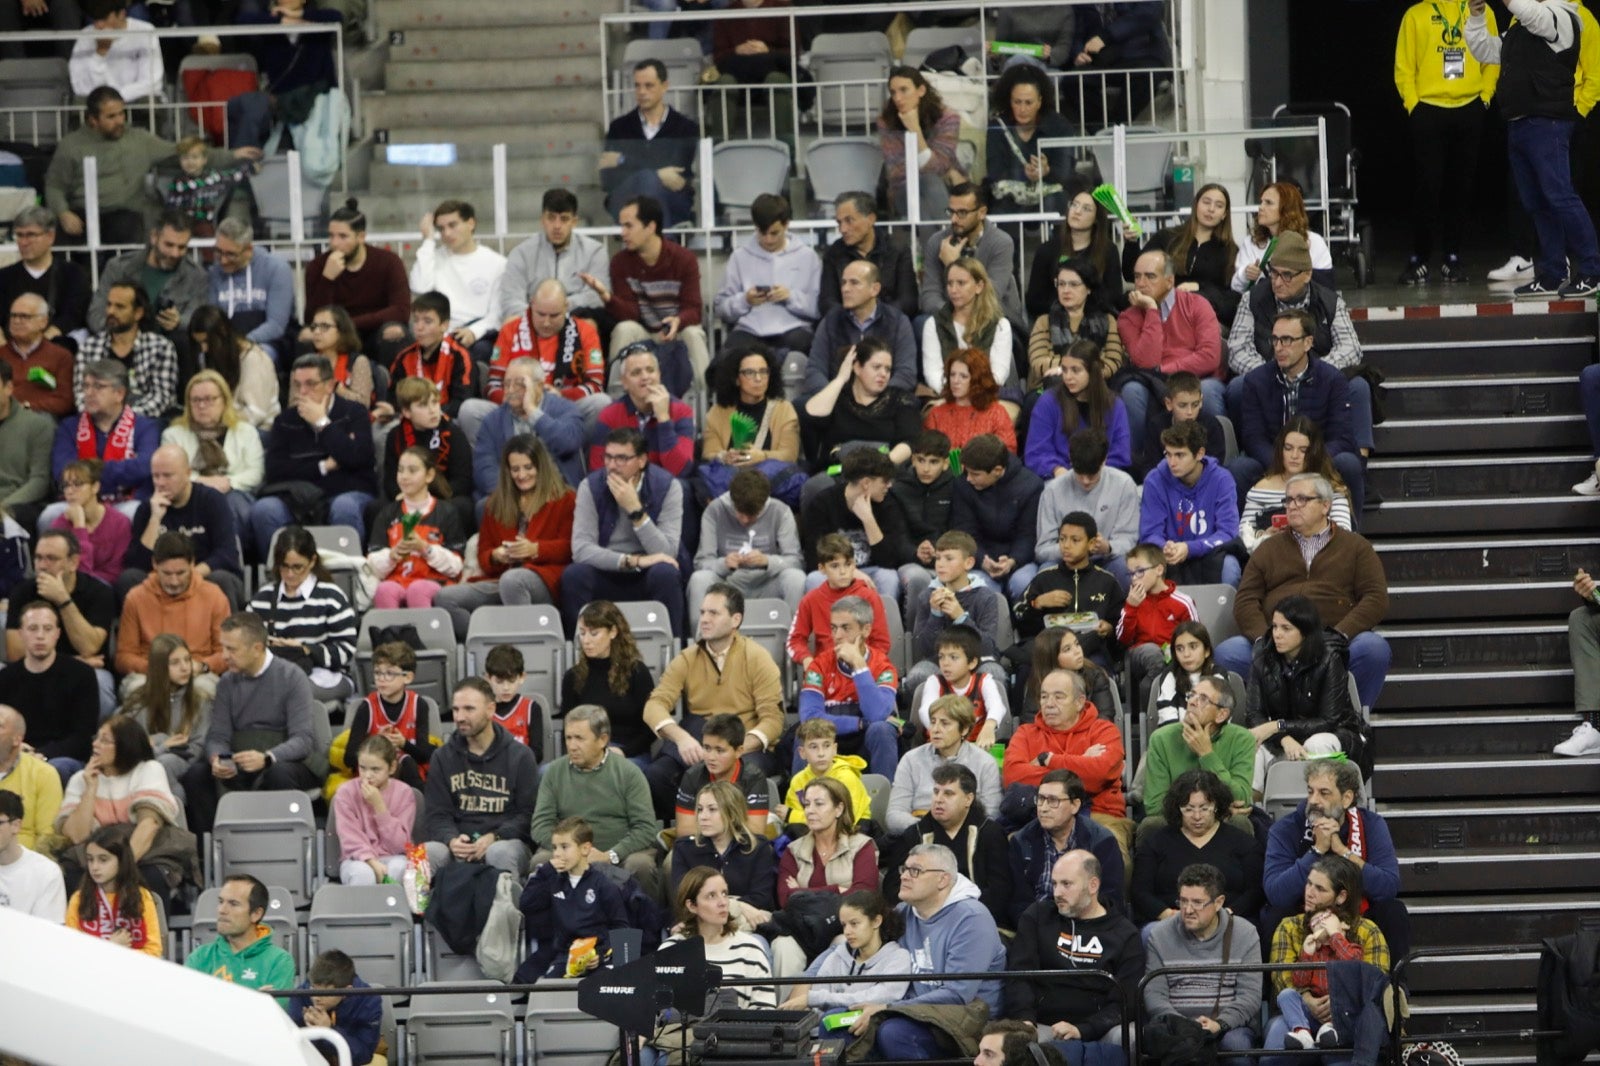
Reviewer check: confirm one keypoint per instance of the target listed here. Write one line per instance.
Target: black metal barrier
(1398, 973)
(1234, 967)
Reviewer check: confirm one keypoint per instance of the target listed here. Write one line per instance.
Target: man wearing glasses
(1207, 739)
(947, 931)
(968, 236)
(1071, 929)
(63, 283)
(255, 289)
(1062, 824)
(1295, 382)
(1287, 285)
(1339, 572)
(1204, 933)
(41, 370)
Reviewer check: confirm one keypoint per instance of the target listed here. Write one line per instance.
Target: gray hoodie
(797, 268)
(188, 289)
(534, 260)
(959, 937)
(1113, 502)
(840, 961)
(774, 534)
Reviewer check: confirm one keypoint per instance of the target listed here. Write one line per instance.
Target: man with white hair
(255, 289)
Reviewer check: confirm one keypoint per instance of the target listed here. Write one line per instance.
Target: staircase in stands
(521, 72)
(1480, 535)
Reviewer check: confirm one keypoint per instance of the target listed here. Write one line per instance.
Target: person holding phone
(1298, 450)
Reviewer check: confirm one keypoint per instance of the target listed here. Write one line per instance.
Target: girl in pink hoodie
(374, 814)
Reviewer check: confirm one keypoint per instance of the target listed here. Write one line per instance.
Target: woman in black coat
(1299, 696)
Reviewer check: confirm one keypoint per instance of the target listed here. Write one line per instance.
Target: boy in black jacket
(1074, 586)
(926, 491)
(858, 506)
(566, 900)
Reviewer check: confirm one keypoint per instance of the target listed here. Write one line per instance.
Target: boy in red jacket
(1153, 609)
(809, 634)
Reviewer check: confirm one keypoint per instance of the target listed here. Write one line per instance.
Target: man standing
(243, 952)
(857, 313)
(947, 931)
(150, 359)
(86, 606)
(1061, 824)
(25, 773)
(648, 406)
(560, 253)
(1166, 329)
(627, 533)
(111, 431)
(62, 283)
(856, 215)
(1205, 933)
(255, 289)
(29, 882)
(1073, 931)
(481, 788)
(124, 157)
(42, 370)
(650, 151)
(262, 735)
(724, 672)
(180, 505)
(654, 292)
(1344, 578)
(25, 438)
(608, 791)
(526, 406)
(57, 694)
(324, 441)
(968, 236)
(451, 261)
(1538, 58)
(172, 600)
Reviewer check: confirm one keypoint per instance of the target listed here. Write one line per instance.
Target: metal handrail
(1398, 972)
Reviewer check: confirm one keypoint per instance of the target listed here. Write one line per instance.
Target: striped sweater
(320, 617)
(741, 956)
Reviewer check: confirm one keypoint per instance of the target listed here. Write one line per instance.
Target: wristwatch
(612, 855)
(634, 516)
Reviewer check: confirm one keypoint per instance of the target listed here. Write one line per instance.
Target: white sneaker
(1585, 740)
(1514, 269)
(1589, 486)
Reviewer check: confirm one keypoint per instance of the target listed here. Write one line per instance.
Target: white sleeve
(422, 279)
(1000, 352)
(1321, 258)
(932, 357)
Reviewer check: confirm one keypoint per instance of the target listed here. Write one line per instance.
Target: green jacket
(614, 798)
(1232, 758)
(262, 964)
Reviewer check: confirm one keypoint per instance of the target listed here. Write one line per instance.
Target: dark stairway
(1480, 536)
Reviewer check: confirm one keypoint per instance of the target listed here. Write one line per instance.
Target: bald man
(181, 504)
(41, 369)
(28, 775)
(568, 351)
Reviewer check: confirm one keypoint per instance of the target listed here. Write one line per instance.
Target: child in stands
(809, 635)
(506, 672)
(393, 711)
(959, 650)
(112, 902)
(1150, 615)
(818, 740)
(375, 813)
(416, 543)
(359, 1019)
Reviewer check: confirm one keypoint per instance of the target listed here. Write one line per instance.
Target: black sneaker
(1580, 286)
(1536, 290)
(1452, 272)
(1415, 273)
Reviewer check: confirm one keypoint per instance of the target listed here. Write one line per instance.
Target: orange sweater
(550, 527)
(1101, 774)
(196, 616)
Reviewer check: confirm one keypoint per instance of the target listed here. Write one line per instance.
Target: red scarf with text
(119, 442)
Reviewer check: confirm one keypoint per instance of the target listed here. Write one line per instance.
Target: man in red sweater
(1165, 330)
(1069, 734)
(369, 283)
(654, 295)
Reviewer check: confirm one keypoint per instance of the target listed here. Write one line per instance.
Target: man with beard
(150, 358)
(1332, 821)
(968, 236)
(173, 283)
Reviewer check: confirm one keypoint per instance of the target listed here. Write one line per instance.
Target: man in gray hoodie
(1105, 492)
(750, 541)
(948, 930)
(1205, 933)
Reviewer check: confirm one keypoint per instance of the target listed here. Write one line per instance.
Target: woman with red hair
(970, 403)
(1282, 208)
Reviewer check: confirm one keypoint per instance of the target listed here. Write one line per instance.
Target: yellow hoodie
(1419, 59)
(846, 770)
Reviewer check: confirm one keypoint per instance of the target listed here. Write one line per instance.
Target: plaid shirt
(1243, 357)
(152, 371)
(1363, 943)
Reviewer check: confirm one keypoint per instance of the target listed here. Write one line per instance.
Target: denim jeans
(1541, 165)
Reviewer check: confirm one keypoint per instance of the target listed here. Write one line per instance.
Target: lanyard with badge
(1455, 57)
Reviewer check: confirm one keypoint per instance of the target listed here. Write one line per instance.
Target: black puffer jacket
(1310, 696)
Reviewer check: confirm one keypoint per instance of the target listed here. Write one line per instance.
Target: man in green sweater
(25, 440)
(243, 952)
(123, 155)
(1205, 739)
(608, 792)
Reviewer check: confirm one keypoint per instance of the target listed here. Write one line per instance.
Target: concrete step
(1421, 830)
(1434, 436)
(1496, 395)
(465, 114)
(1445, 559)
(1484, 599)
(495, 75)
(544, 41)
(1449, 690)
(1500, 476)
(1518, 919)
(1476, 644)
(1438, 777)
(452, 14)
(1533, 867)
(1534, 513)
(1451, 1017)
(1543, 343)
(537, 170)
(1467, 733)
(1474, 973)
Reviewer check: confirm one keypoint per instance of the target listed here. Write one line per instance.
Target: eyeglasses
(294, 568)
(911, 873)
(1196, 696)
(388, 675)
(28, 234)
(1140, 572)
(1049, 803)
(1281, 341)
(204, 400)
(1081, 205)
(614, 457)
(1196, 904)
(319, 326)
(1204, 808)
(1283, 275)
(755, 372)
(1300, 501)
(961, 212)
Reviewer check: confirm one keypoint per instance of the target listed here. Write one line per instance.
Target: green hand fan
(742, 432)
(1106, 196)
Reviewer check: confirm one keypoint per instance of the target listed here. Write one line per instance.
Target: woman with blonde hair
(723, 841)
(224, 450)
(970, 318)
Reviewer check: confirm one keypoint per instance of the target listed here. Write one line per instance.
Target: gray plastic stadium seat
(745, 169)
(460, 1028)
(767, 622)
(899, 643)
(270, 189)
(861, 58)
(925, 39)
(370, 923)
(652, 632)
(1215, 604)
(442, 964)
(436, 663)
(269, 835)
(535, 631)
(43, 84)
(837, 165)
(877, 787)
(280, 918)
(559, 1033)
(1284, 789)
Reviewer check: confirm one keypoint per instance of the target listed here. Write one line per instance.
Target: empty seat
(837, 165)
(851, 71)
(280, 918)
(436, 662)
(535, 631)
(744, 170)
(270, 189)
(558, 1032)
(923, 40)
(652, 632)
(767, 622)
(370, 923)
(1215, 604)
(443, 964)
(1149, 168)
(271, 836)
(877, 787)
(36, 94)
(461, 1027)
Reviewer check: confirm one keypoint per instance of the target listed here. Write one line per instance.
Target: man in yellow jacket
(1446, 92)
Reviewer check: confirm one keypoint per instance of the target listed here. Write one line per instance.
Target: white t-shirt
(33, 885)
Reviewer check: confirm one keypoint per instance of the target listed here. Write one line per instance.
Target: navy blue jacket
(359, 1019)
(557, 913)
(560, 427)
(206, 519)
(1002, 517)
(1324, 398)
(1026, 848)
(296, 449)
